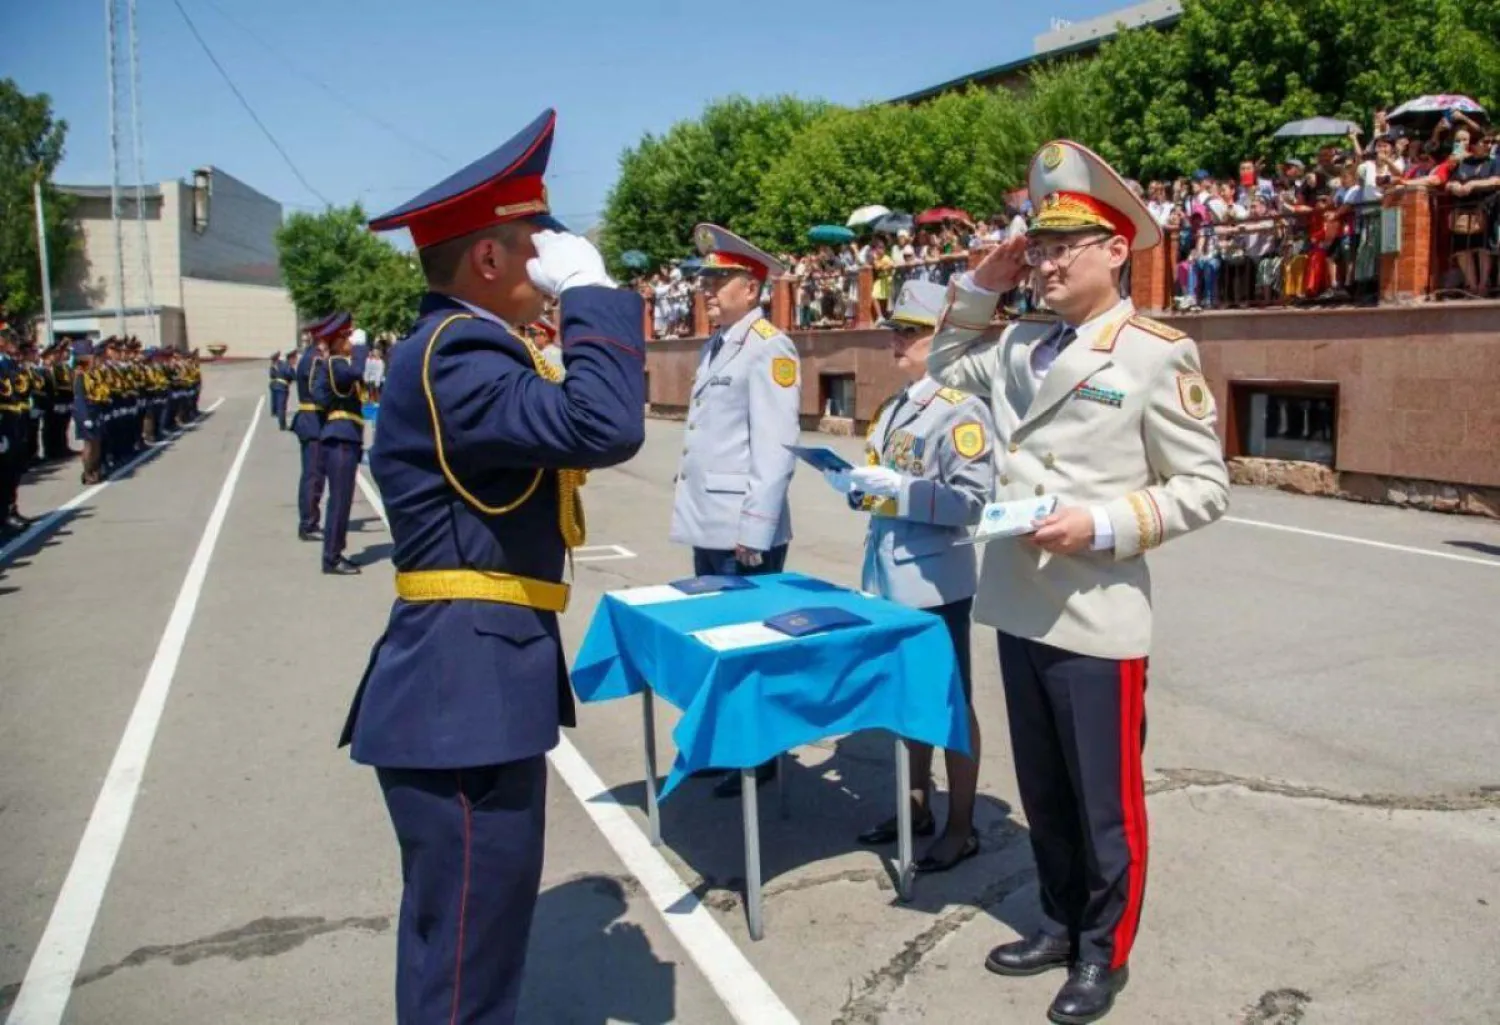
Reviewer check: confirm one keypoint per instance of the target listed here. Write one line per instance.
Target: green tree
(708, 169)
(330, 261)
(31, 146)
(383, 296)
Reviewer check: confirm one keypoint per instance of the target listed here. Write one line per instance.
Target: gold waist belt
(478, 585)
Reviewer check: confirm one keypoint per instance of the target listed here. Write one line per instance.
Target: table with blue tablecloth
(749, 694)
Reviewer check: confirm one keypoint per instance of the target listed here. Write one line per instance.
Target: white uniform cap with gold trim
(1073, 189)
(920, 304)
(723, 250)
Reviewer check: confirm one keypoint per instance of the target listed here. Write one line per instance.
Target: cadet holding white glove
(565, 261)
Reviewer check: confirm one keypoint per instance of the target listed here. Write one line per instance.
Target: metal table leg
(750, 803)
(782, 761)
(903, 819)
(653, 813)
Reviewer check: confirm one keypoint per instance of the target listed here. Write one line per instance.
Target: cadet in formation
(282, 376)
(482, 449)
(339, 391)
(1108, 411)
(59, 403)
(15, 414)
(730, 499)
(307, 423)
(930, 473)
(90, 400)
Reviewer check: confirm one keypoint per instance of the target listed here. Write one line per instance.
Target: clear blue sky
(458, 77)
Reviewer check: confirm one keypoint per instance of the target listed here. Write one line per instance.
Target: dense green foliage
(1208, 92)
(31, 146)
(330, 261)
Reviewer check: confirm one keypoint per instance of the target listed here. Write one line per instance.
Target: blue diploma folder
(711, 584)
(814, 620)
(821, 458)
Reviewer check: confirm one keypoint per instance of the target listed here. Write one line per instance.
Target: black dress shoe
(927, 864)
(1088, 994)
(310, 535)
(887, 832)
(733, 786)
(342, 568)
(1032, 956)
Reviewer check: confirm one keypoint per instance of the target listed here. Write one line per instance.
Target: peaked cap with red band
(723, 250)
(332, 326)
(504, 186)
(1073, 189)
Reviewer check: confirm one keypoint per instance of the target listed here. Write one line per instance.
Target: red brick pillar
(700, 315)
(1407, 274)
(1151, 277)
(648, 317)
(783, 304)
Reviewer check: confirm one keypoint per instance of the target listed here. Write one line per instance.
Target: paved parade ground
(181, 843)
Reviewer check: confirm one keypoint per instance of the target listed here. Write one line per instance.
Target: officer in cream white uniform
(730, 500)
(930, 473)
(1109, 411)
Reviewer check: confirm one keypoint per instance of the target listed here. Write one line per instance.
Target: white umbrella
(867, 215)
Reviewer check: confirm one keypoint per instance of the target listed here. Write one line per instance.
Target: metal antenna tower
(138, 146)
(114, 165)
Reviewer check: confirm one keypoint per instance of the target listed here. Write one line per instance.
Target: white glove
(839, 480)
(4, 445)
(565, 261)
(88, 425)
(880, 481)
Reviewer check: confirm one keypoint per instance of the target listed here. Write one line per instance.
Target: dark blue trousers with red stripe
(471, 864)
(341, 465)
(1077, 727)
(310, 486)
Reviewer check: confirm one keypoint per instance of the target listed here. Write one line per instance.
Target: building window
(836, 395)
(202, 193)
(1285, 420)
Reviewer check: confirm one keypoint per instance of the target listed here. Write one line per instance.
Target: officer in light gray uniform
(930, 473)
(730, 501)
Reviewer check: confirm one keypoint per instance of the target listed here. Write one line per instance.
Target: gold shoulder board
(952, 395)
(1157, 328)
(765, 328)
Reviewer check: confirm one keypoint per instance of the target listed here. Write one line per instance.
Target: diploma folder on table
(820, 458)
(711, 584)
(1009, 519)
(814, 620)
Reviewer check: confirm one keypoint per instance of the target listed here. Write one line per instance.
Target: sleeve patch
(1157, 328)
(765, 328)
(968, 439)
(1192, 391)
(784, 371)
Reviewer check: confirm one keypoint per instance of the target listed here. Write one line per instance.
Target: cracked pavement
(1322, 771)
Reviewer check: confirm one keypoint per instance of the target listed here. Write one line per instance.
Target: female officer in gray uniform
(930, 474)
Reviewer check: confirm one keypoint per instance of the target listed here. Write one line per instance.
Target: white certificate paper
(740, 635)
(656, 594)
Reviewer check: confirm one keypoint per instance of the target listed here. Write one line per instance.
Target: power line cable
(246, 103)
(344, 100)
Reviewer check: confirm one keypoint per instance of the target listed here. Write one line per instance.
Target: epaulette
(1157, 328)
(952, 395)
(765, 328)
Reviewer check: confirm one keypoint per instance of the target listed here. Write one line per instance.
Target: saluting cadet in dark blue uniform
(481, 451)
(281, 379)
(338, 388)
(308, 425)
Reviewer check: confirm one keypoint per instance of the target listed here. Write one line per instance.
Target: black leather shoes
(886, 832)
(310, 535)
(732, 786)
(1036, 954)
(342, 568)
(1088, 994)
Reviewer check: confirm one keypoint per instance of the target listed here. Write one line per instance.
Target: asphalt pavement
(182, 843)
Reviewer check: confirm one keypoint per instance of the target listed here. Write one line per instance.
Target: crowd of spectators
(1297, 233)
(1273, 234)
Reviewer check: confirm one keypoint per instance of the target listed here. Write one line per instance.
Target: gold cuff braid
(569, 482)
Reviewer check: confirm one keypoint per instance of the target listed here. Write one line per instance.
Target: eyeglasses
(1060, 254)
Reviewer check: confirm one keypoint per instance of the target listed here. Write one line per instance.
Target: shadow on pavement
(1475, 546)
(585, 965)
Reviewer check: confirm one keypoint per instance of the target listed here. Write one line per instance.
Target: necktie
(714, 345)
(1050, 347)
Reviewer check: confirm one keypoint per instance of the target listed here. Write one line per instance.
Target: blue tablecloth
(743, 707)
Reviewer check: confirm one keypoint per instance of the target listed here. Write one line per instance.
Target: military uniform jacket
(940, 438)
(471, 438)
(308, 421)
(735, 467)
(338, 389)
(280, 375)
(1123, 421)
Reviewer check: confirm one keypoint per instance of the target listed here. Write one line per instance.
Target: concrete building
(1064, 39)
(210, 252)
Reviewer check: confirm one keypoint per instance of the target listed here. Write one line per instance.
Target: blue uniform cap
(332, 325)
(505, 185)
(83, 347)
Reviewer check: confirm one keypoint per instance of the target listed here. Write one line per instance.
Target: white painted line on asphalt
(1410, 549)
(602, 553)
(372, 496)
(49, 978)
(742, 990)
(44, 524)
